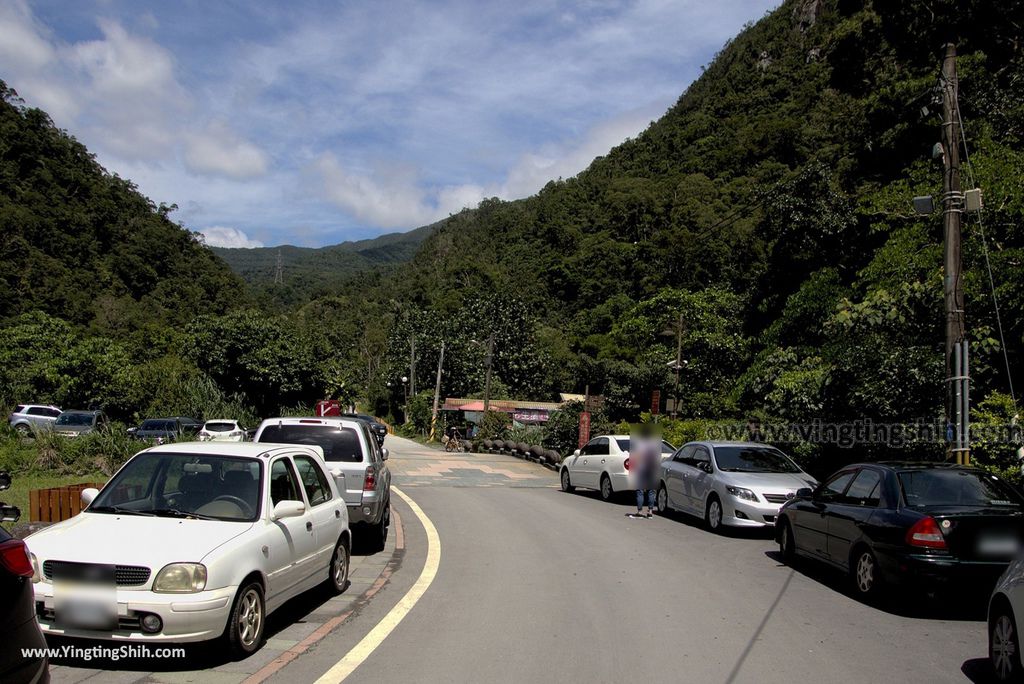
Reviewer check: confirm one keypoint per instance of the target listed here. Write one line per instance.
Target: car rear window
(956, 488)
(20, 408)
(157, 425)
(338, 443)
(219, 427)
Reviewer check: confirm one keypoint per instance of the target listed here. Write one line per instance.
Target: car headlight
(181, 578)
(741, 493)
(36, 575)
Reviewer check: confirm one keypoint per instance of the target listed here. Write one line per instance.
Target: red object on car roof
(328, 407)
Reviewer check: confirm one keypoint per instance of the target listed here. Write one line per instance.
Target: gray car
(77, 423)
(738, 484)
(29, 419)
(356, 461)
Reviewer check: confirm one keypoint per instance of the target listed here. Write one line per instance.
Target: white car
(736, 484)
(222, 431)
(193, 541)
(603, 464)
(1006, 603)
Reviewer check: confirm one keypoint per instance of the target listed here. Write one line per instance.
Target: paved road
(534, 584)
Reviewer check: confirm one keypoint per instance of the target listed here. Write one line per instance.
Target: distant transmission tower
(279, 271)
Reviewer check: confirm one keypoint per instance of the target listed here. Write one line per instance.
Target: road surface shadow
(969, 606)
(978, 670)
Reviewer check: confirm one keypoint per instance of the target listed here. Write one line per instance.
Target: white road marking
(361, 651)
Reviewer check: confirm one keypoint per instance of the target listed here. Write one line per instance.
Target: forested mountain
(771, 206)
(307, 272)
(83, 244)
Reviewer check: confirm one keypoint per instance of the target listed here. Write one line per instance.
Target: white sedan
(222, 431)
(603, 464)
(193, 541)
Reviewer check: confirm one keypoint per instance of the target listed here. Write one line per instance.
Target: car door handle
(602, 460)
(309, 527)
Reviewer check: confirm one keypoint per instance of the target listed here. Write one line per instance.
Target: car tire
(787, 544)
(713, 514)
(378, 536)
(865, 575)
(23, 430)
(1004, 644)
(566, 483)
(607, 492)
(663, 506)
(247, 620)
(337, 572)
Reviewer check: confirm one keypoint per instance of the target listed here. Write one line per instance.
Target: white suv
(30, 418)
(356, 461)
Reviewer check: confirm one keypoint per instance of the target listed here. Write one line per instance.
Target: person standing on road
(645, 458)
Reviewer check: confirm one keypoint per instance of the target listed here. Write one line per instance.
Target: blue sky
(312, 123)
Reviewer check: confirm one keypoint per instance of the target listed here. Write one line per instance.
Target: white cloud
(23, 45)
(220, 151)
(223, 236)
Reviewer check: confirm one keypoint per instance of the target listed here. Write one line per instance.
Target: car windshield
(623, 443)
(742, 459)
(956, 488)
(184, 486)
(74, 419)
(157, 425)
(338, 443)
(219, 427)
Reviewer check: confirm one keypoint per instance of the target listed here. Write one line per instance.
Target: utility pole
(412, 366)
(957, 404)
(487, 382)
(437, 394)
(679, 363)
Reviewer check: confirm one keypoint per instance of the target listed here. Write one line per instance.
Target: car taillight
(14, 558)
(625, 464)
(369, 480)
(926, 533)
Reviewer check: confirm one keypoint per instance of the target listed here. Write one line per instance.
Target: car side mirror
(5, 480)
(9, 513)
(804, 493)
(287, 509)
(132, 430)
(88, 494)
(576, 453)
(384, 454)
(706, 467)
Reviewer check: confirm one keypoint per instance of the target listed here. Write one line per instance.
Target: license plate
(1002, 547)
(85, 597)
(97, 615)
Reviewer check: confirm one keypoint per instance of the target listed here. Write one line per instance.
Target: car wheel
(245, 625)
(713, 514)
(1003, 645)
(23, 430)
(338, 579)
(379, 532)
(864, 573)
(606, 488)
(787, 545)
(663, 500)
(566, 484)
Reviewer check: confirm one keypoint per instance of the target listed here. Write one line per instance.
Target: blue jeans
(652, 501)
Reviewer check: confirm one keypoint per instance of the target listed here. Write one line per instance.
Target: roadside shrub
(495, 425)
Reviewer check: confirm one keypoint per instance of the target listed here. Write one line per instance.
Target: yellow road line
(361, 651)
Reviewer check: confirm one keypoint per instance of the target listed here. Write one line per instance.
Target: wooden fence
(57, 503)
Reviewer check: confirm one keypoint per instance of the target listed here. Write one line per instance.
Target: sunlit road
(537, 584)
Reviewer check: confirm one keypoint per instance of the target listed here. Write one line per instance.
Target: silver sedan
(739, 484)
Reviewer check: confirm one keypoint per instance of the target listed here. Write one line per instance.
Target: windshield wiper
(118, 509)
(178, 513)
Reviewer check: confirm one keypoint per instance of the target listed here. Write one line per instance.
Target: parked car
(356, 460)
(223, 431)
(735, 484)
(77, 423)
(18, 607)
(172, 429)
(1005, 604)
(916, 524)
(379, 430)
(29, 419)
(191, 542)
(602, 464)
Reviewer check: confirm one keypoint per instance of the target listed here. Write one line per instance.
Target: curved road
(537, 584)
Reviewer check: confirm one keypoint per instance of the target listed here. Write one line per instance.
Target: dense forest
(770, 207)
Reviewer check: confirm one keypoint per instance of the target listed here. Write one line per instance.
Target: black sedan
(21, 634)
(900, 523)
(378, 429)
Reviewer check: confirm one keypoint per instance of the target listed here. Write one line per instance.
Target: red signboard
(584, 428)
(655, 401)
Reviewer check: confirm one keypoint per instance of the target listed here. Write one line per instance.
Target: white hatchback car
(193, 541)
(603, 464)
(221, 431)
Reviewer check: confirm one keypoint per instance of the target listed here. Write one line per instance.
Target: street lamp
(405, 396)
